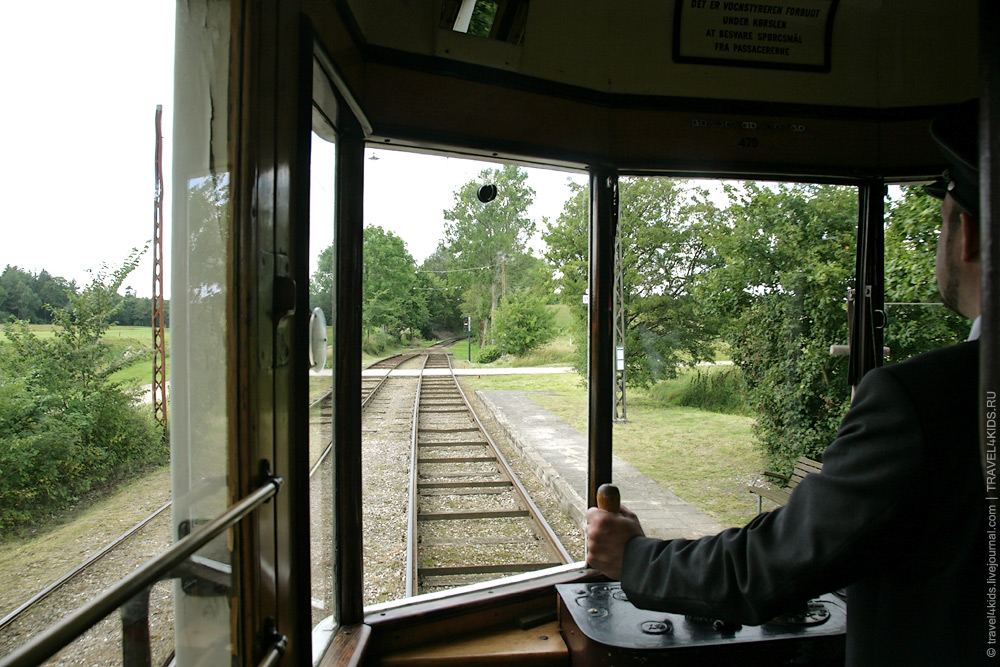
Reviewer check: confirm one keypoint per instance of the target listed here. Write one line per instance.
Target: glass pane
(322, 178)
(447, 240)
(87, 482)
(200, 258)
(916, 319)
(733, 295)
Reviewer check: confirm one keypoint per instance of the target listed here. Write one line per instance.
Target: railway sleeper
(469, 484)
(452, 443)
(484, 569)
(474, 491)
(473, 515)
(456, 459)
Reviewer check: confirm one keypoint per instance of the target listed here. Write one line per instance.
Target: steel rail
(536, 514)
(45, 644)
(412, 580)
(54, 586)
(405, 357)
(531, 511)
(196, 494)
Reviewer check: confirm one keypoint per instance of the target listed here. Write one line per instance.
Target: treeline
(482, 268)
(32, 298)
(760, 274)
(767, 274)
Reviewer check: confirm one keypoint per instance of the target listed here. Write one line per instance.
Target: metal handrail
(54, 638)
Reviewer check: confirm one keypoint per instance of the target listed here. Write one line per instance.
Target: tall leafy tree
(389, 280)
(53, 291)
(442, 295)
(913, 221)
(20, 298)
(487, 240)
(321, 285)
(783, 261)
(662, 223)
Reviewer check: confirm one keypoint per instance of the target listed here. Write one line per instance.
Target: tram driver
(897, 515)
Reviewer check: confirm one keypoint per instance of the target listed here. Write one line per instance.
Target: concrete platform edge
(569, 500)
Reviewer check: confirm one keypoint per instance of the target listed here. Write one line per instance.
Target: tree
(912, 226)
(321, 285)
(662, 225)
(782, 262)
(443, 297)
(20, 298)
(484, 238)
(53, 291)
(523, 323)
(390, 300)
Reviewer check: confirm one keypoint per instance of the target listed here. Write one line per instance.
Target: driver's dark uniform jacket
(897, 516)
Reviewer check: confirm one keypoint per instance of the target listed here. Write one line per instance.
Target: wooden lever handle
(608, 498)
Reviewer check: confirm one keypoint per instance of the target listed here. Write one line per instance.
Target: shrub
(522, 324)
(715, 391)
(65, 427)
(488, 354)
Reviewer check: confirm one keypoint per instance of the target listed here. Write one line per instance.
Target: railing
(135, 586)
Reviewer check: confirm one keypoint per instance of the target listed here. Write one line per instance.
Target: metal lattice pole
(159, 329)
(619, 315)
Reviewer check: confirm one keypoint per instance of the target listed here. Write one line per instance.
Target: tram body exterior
(602, 88)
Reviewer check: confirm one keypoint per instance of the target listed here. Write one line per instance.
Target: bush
(376, 341)
(798, 392)
(488, 354)
(522, 324)
(714, 391)
(65, 427)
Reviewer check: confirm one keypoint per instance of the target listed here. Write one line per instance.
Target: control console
(601, 627)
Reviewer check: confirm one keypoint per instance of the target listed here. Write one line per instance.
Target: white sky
(407, 194)
(81, 81)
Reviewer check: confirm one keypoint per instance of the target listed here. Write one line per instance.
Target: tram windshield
(732, 323)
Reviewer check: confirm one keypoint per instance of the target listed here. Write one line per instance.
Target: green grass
(557, 353)
(705, 458)
(120, 338)
(460, 350)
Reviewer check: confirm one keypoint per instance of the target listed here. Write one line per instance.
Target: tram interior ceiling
(836, 92)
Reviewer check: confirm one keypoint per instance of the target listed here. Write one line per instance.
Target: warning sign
(775, 34)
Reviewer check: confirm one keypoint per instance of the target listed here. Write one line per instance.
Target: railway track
(370, 384)
(473, 519)
(105, 568)
(102, 643)
(470, 518)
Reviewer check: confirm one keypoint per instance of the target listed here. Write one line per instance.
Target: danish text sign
(763, 33)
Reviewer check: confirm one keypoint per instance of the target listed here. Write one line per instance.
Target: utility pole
(619, 315)
(159, 330)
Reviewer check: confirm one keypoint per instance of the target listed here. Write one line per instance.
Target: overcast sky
(81, 83)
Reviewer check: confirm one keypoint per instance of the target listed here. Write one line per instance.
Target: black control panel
(601, 627)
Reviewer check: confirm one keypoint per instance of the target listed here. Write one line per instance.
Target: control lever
(608, 498)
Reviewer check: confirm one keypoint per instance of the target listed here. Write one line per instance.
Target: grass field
(37, 556)
(120, 339)
(705, 458)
